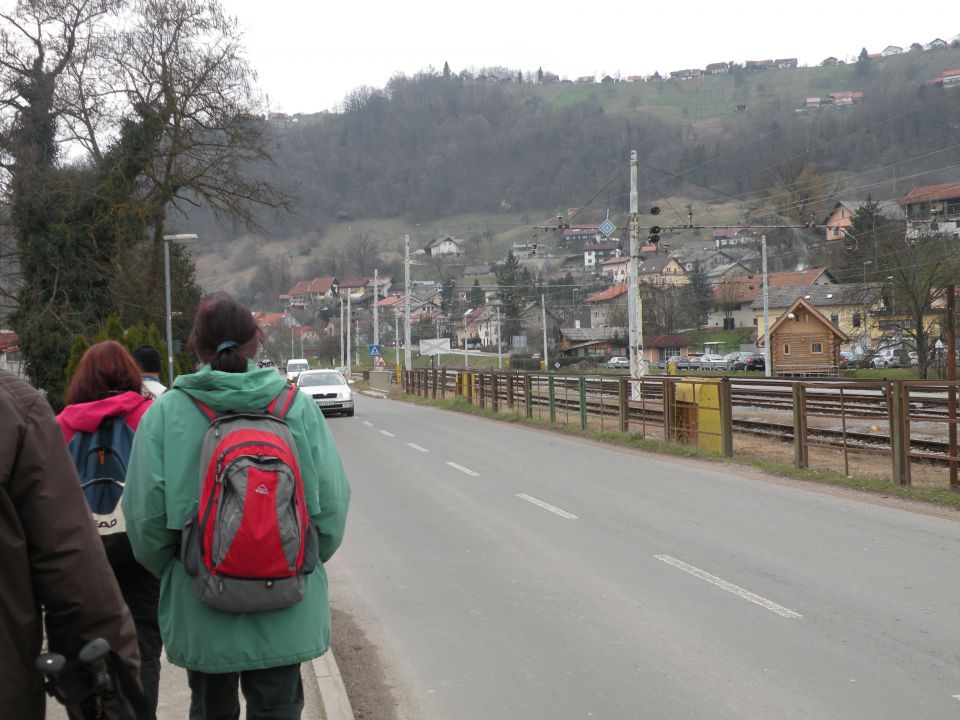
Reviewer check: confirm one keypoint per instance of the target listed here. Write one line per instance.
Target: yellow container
(697, 415)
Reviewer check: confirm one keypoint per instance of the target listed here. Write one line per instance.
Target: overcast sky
(310, 53)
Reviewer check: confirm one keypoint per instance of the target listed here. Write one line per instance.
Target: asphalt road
(505, 572)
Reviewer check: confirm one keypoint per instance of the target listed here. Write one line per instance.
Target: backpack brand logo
(262, 490)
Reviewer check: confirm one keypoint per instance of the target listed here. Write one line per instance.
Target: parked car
(851, 360)
(890, 358)
(618, 362)
(737, 360)
(712, 362)
(756, 361)
(328, 389)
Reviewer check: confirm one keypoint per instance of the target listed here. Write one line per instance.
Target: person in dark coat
(54, 573)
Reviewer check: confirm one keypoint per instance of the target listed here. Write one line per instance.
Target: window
(786, 348)
(816, 348)
(856, 319)
(796, 316)
(835, 319)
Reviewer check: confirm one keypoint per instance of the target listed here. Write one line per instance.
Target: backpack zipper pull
(100, 457)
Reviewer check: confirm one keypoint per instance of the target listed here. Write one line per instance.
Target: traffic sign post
(375, 350)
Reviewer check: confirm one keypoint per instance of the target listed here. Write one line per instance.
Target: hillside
(433, 156)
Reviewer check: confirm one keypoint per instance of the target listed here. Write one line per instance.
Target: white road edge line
(956, 697)
(547, 506)
(418, 448)
(388, 434)
(730, 587)
(462, 469)
(368, 423)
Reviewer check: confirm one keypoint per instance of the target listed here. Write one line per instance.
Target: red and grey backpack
(251, 541)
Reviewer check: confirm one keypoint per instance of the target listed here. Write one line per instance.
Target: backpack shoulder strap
(208, 411)
(280, 406)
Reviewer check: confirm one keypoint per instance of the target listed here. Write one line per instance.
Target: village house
(355, 288)
(829, 62)
(596, 343)
(661, 270)
(445, 246)
(891, 50)
(579, 235)
(733, 296)
(731, 237)
(720, 68)
(306, 292)
(785, 63)
(615, 269)
(840, 219)
(596, 253)
(606, 305)
(803, 342)
(853, 308)
(933, 209)
(708, 258)
(758, 64)
(847, 97)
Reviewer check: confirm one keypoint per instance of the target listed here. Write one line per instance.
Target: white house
(445, 246)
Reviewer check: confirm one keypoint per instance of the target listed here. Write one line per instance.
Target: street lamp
(183, 239)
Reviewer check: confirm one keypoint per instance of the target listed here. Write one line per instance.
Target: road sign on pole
(375, 349)
(434, 346)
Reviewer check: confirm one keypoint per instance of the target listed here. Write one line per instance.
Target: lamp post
(865, 263)
(182, 239)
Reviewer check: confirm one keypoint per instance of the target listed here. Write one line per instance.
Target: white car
(618, 362)
(295, 366)
(712, 362)
(328, 389)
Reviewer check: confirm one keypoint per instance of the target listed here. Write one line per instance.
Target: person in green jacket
(260, 651)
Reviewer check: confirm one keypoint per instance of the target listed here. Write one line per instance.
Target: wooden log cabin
(803, 342)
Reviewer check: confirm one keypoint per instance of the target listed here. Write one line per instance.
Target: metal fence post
(800, 454)
(495, 383)
(528, 395)
(900, 434)
(583, 403)
(726, 418)
(551, 395)
(669, 405)
(443, 384)
(623, 392)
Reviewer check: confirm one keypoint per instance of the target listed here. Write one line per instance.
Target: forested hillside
(431, 146)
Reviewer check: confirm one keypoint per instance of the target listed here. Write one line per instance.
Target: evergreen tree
(699, 296)
(511, 295)
(446, 70)
(476, 294)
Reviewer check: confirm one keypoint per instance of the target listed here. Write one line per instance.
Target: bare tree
(363, 252)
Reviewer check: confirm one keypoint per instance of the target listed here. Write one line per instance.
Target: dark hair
(148, 358)
(105, 369)
(224, 333)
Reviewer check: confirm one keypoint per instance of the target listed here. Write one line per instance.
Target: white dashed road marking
(368, 423)
(418, 448)
(730, 587)
(388, 434)
(462, 469)
(547, 506)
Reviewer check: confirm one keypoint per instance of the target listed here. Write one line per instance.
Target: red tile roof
(317, 286)
(612, 292)
(926, 193)
(8, 342)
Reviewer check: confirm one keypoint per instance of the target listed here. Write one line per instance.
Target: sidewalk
(325, 697)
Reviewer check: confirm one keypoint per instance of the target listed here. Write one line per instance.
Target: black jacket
(50, 555)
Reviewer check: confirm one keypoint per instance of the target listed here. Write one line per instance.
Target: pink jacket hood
(86, 417)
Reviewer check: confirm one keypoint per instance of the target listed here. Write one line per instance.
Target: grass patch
(635, 440)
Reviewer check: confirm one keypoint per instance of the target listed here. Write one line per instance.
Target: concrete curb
(378, 394)
(333, 693)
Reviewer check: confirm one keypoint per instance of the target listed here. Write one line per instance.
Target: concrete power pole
(343, 361)
(546, 354)
(767, 351)
(638, 367)
(349, 318)
(406, 303)
(376, 315)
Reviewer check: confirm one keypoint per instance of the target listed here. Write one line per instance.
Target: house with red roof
(306, 292)
(933, 209)
(607, 304)
(615, 269)
(733, 296)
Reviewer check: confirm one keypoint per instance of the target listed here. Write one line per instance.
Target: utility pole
(499, 343)
(767, 352)
(546, 354)
(343, 360)
(376, 316)
(406, 303)
(952, 388)
(347, 347)
(356, 343)
(396, 333)
(638, 367)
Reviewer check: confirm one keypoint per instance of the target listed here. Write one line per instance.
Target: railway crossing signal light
(654, 235)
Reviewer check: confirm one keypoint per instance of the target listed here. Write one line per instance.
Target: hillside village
(582, 277)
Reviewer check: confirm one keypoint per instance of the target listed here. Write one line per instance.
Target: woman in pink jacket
(107, 389)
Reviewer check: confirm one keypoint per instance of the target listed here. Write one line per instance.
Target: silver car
(328, 389)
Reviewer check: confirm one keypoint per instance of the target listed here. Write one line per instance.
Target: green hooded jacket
(161, 493)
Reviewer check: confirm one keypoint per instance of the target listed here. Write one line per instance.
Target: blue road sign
(607, 227)
(375, 349)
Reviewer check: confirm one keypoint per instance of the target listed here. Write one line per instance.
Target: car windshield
(297, 366)
(324, 378)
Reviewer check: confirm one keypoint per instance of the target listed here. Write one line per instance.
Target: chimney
(576, 324)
